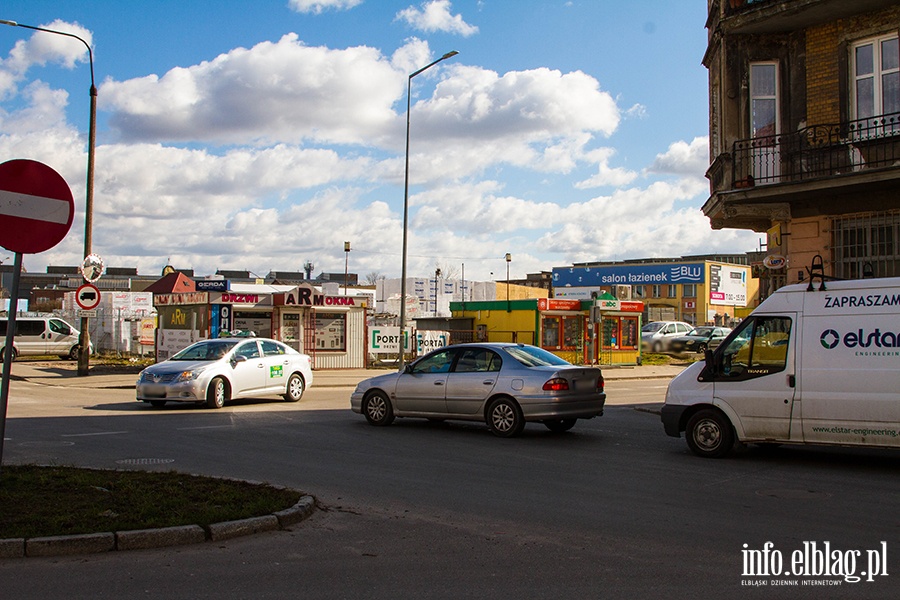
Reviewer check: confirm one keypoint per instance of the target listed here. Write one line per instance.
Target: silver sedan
(504, 385)
(212, 372)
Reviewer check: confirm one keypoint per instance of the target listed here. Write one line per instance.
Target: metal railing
(817, 151)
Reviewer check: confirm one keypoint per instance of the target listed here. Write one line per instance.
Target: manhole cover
(787, 494)
(145, 461)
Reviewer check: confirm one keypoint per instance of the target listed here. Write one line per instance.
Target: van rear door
(754, 374)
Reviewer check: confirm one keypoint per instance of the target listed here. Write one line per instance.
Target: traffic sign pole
(7, 349)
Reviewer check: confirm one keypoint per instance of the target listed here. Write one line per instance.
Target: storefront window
(550, 328)
(331, 331)
(620, 333)
(259, 323)
(571, 328)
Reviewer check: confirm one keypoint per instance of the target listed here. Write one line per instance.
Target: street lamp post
(406, 206)
(84, 341)
(508, 260)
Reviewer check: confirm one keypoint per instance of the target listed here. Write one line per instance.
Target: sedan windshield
(702, 331)
(652, 327)
(532, 356)
(209, 350)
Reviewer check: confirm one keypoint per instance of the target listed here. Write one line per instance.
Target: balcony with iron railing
(813, 152)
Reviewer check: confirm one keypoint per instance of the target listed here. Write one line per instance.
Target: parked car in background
(656, 335)
(212, 372)
(39, 336)
(699, 339)
(503, 384)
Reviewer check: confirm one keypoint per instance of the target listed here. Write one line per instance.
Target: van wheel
(12, 354)
(74, 352)
(709, 434)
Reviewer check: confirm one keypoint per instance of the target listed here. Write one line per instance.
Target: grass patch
(48, 501)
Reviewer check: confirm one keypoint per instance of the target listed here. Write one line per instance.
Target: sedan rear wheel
(377, 409)
(560, 425)
(216, 393)
(504, 418)
(295, 388)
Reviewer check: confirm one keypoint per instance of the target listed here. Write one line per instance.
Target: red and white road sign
(36, 206)
(87, 296)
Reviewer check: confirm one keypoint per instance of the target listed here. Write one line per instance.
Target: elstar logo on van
(830, 338)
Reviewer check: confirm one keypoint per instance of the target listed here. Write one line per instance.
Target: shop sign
(631, 306)
(242, 299)
(213, 285)
(183, 298)
(426, 341)
(628, 275)
(619, 305)
(557, 304)
(386, 340)
(307, 296)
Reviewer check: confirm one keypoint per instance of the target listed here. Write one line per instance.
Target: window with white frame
(656, 291)
(876, 76)
(671, 291)
(764, 121)
(689, 290)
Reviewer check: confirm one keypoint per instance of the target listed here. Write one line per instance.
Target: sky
(263, 135)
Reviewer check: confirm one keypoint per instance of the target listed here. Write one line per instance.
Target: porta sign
(36, 206)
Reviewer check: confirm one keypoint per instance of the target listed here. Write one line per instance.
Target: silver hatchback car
(504, 385)
(212, 372)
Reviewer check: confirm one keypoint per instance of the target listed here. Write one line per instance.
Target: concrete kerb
(143, 539)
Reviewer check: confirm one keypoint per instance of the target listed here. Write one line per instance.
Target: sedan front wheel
(216, 393)
(377, 409)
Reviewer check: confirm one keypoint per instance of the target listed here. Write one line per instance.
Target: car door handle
(439, 382)
(488, 382)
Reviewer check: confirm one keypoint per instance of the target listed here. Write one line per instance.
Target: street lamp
(406, 204)
(346, 263)
(85, 340)
(508, 260)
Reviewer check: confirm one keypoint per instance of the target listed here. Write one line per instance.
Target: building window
(672, 291)
(866, 245)
(876, 77)
(689, 290)
(764, 121)
(620, 333)
(637, 291)
(656, 291)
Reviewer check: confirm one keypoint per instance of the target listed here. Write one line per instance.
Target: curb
(143, 539)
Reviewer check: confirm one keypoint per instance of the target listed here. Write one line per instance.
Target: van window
(759, 347)
(29, 327)
(57, 326)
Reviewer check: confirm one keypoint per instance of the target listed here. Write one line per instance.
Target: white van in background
(39, 336)
(813, 364)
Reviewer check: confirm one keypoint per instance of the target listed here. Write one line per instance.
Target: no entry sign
(36, 206)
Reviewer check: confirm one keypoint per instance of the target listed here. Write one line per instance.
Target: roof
(173, 283)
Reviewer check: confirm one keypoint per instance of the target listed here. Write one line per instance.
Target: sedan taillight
(557, 384)
(600, 383)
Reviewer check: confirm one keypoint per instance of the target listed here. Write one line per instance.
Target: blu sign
(628, 275)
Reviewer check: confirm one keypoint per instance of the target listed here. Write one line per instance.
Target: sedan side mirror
(238, 359)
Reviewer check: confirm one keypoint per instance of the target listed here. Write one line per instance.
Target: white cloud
(279, 91)
(606, 175)
(435, 16)
(684, 159)
(320, 6)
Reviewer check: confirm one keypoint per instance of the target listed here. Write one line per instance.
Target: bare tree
(373, 277)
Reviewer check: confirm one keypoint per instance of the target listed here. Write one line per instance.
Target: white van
(813, 364)
(39, 336)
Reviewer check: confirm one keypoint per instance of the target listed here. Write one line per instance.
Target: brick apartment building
(804, 100)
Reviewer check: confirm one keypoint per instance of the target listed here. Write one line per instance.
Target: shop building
(697, 291)
(593, 331)
(331, 328)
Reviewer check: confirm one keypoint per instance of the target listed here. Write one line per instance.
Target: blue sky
(257, 136)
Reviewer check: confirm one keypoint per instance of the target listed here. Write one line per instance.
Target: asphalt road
(611, 509)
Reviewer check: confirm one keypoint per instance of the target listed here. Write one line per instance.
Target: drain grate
(145, 461)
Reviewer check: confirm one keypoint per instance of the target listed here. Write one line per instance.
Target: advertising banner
(728, 285)
(386, 340)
